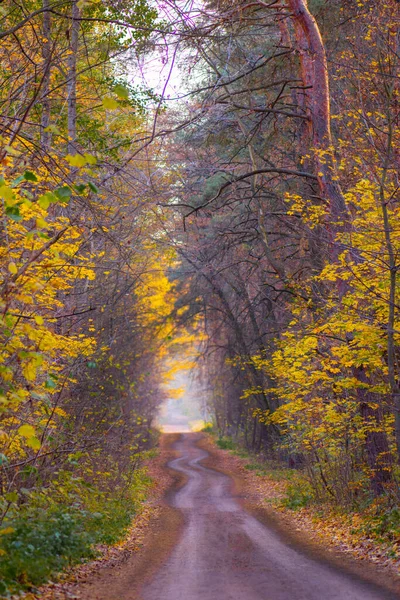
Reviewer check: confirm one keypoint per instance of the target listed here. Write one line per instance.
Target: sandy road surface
(223, 553)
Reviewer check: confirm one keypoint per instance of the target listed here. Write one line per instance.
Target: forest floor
(155, 544)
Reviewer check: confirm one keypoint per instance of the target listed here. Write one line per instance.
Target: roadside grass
(61, 525)
(371, 521)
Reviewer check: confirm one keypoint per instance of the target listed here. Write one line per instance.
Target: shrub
(297, 496)
(208, 428)
(226, 443)
(61, 526)
(383, 526)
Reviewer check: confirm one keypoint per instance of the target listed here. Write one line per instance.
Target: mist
(185, 409)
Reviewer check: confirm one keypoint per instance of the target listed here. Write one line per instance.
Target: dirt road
(224, 553)
(205, 545)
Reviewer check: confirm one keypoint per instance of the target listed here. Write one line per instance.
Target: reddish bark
(314, 71)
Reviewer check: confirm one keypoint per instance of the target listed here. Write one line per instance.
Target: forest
(239, 221)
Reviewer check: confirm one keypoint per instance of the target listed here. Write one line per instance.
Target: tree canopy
(242, 215)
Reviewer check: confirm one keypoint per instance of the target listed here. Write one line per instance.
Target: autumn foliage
(290, 207)
(85, 299)
(249, 220)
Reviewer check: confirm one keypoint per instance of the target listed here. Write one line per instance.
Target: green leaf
(29, 470)
(80, 188)
(93, 187)
(13, 213)
(50, 384)
(37, 396)
(29, 176)
(27, 193)
(63, 193)
(17, 181)
(45, 200)
(11, 497)
(121, 91)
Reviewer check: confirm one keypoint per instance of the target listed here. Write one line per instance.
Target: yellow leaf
(39, 320)
(6, 192)
(12, 151)
(45, 200)
(110, 103)
(90, 159)
(34, 443)
(12, 267)
(7, 530)
(29, 371)
(52, 129)
(76, 160)
(41, 223)
(60, 411)
(26, 431)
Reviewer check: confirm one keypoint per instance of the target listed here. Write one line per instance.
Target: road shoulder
(258, 495)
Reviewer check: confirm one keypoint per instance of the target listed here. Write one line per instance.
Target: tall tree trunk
(71, 85)
(314, 68)
(46, 54)
(379, 458)
(393, 266)
(254, 376)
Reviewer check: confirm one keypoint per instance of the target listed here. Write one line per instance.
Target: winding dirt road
(206, 545)
(224, 553)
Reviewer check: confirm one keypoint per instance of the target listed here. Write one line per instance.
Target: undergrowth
(225, 443)
(207, 428)
(376, 519)
(61, 525)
